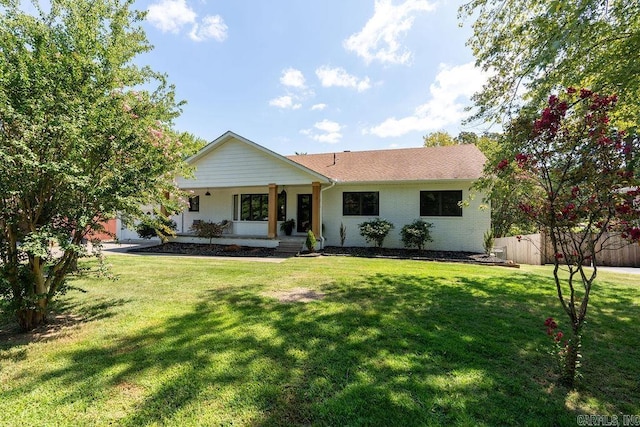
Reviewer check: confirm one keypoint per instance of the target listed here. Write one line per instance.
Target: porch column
(315, 203)
(272, 229)
(163, 210)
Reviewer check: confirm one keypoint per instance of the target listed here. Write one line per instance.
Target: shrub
(488, 240)
(311, 241)
(343, 234)
(159, 226)
(375, 230)
(207, 229)
(416, 234)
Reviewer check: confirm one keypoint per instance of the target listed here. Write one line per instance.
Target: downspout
(333, 183)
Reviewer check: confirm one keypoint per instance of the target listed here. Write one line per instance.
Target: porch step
(289, 247)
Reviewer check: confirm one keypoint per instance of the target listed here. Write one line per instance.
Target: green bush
(416, 234)
(311, 241)
(375, 230)
(159, 226)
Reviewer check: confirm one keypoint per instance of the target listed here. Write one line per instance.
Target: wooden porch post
(272, 230)
(315, 203)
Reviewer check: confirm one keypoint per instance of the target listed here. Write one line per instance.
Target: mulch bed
(424, 255)
(206, 250)
(244, 251)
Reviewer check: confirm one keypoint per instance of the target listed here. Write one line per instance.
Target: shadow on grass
(60, 317)
(385, 350)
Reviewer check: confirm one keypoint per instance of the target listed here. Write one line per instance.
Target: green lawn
(186, 341)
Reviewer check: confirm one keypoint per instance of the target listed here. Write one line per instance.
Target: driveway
(621, 270)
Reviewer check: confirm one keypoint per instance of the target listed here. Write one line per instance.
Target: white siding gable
(235, 163)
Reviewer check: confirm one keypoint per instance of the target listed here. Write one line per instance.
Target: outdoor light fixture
(207, 193)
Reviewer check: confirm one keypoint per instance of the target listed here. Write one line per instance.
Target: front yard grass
(192, 341)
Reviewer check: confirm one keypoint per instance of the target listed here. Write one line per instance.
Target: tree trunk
(30, 318)
(571, 360)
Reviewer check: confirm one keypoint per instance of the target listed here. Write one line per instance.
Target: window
(254, 207)
(236, 206)
(194, 204)
(282, 206)
(440, 203)
(360, 203)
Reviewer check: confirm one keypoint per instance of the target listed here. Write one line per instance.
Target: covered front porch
(253, 189)
(253, 215)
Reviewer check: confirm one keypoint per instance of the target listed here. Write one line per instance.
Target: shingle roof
(407, 164)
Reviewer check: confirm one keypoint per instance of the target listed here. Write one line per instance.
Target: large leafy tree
(576, 180)
(536, 47)
(84, 133)
(438, 139)
(506, 217)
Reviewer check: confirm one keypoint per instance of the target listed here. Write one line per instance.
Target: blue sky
(315, 76)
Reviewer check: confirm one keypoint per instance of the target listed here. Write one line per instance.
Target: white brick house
(255, 189)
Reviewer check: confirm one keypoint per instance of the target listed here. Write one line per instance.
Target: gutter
(333, 183)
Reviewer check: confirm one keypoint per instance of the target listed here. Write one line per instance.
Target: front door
(304, 213)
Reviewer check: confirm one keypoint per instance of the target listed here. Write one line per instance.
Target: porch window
(236, 206)
(194, 204)
(254, 207)
(282, 206)
(440, 203)
(360, 203)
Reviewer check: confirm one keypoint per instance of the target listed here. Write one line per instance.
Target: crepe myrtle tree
(84, 133)
(576, 175)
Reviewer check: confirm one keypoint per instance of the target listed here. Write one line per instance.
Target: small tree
(375, 230)
(416, 234)
(577, 180)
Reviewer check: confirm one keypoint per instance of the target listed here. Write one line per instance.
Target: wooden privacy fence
(536, 249)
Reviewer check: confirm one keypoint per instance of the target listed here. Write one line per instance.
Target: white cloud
(295, 90)
(338, 76)
(380, 37)
(211, 27)
(329, 132)
(170, 15)
(318, 107)
(292, 78)
(450, 94)
(284, 102)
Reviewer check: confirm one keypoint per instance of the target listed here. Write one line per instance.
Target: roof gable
(464, 162)
(231, 160)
